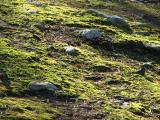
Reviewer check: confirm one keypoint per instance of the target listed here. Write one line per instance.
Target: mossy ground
(25, 56)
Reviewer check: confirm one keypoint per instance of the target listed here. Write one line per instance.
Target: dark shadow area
(135, 50)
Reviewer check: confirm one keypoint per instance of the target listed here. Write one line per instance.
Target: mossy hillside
(69, 16)
(31, 60)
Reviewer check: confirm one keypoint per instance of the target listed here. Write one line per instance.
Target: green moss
(25, 57)
(23, 108)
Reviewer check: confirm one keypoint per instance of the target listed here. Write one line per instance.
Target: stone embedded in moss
(40, 27)
(71, 50)
(119, 22)
(32, 11)
(91, 34)
(40, 86)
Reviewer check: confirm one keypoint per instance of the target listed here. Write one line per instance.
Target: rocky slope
(79, 59)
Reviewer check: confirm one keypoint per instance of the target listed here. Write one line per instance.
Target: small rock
(39, 86)
(142, 71)
(91, 34)
(125, 105)
(38, 4)
(70, 50)
(50, 48)
(32, 11)
(147, 65)
(30, 0)
(40, 27)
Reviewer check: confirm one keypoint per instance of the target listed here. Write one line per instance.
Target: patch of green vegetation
(23, 108)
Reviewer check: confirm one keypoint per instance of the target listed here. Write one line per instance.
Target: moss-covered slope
(99, 81)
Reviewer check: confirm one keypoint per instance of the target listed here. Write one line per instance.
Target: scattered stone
(119, 22)
(147, 65)
(125, 104)
(91, 34)
(30, 0)
(70, 50)
(142, 71)
(40, 86)
(38, 4)
(40, 27)
(32, 11)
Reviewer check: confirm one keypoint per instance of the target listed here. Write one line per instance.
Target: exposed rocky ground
(79, 60)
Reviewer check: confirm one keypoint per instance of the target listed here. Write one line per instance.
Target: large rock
(40, 86)
(91, 34)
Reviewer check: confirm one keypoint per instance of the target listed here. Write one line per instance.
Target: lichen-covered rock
(91, 34)
(40, 86)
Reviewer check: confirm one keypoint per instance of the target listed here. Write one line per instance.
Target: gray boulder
(40, 86)
(119, 22)
(70, 49)
(91, 34)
